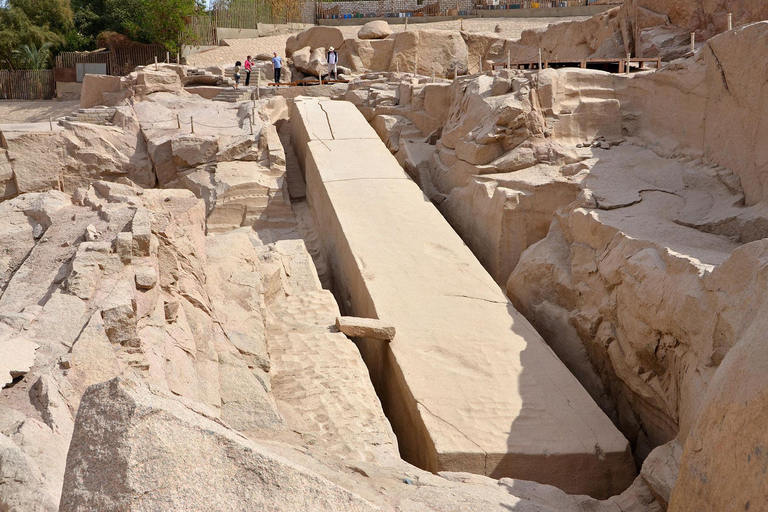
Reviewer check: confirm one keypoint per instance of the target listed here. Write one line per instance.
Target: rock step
(95, 115)
(234, 95)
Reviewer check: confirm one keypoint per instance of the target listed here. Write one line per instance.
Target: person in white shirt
(333, 60)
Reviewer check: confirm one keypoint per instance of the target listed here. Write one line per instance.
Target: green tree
(17, 30)
(164, 22)
(92, 17)
(53, 15)
(32, 57)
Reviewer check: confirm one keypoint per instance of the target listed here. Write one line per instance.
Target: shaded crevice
(720, 68)
(479, 298)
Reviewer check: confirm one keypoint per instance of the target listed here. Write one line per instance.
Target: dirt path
(25, 111)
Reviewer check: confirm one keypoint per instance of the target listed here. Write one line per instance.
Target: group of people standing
(277, 63)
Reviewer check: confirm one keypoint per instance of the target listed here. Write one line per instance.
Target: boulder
(367, 54)
(378, 29)
(314, 37)
(164, 80)
(388, 128)
(660, 470)
(576, 39)
(94, 86)
(311, 62)
(135, 449)
(22, 480)
(372, 328)
(442, 52)
(275, 109)
(146, 278)
(190, 150)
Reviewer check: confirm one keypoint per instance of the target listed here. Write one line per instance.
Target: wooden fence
(124, 60)
(243, 14)
(119, 61)
(27, 84)
(202, 31)
(69, 59)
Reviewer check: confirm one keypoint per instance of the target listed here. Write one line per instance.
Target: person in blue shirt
(277, 62)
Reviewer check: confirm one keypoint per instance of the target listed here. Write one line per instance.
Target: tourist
(237, 74)
(333, 60)
(247, 67)
(277, 62)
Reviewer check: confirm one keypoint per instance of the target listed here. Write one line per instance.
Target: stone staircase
(232, 95)
(211, 78)
(95, 115)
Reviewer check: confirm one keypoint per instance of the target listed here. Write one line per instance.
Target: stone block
(371, 328)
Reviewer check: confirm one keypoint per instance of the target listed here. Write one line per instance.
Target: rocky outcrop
(154, 141)
(598, 37)
(118, 286)
(724, 458)
(106, 466)
(707, 19)
(619, 227)
(314, 37)
(697, 126)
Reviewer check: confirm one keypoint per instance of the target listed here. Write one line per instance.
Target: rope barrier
(197, 123)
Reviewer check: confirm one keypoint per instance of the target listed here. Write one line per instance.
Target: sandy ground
(13, 112)
(238, 49)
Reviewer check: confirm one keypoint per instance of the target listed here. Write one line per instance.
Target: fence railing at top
(202, 31)
(541, 4)
(243, 15)
(27, 84)
(124, 60)
(70, 59)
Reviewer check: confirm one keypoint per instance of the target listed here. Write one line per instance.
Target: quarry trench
(360, 258)
(574, 262)
(696, 250)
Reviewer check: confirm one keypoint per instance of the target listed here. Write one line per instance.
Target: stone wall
(370, 8)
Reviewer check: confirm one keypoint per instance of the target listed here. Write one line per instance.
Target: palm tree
(33, 57)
